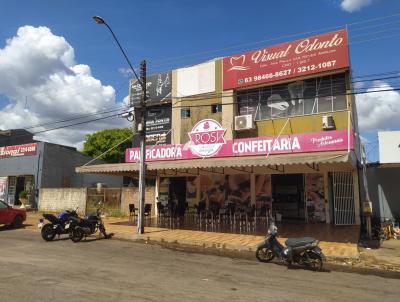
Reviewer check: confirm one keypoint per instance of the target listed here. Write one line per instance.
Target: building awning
(227, 162)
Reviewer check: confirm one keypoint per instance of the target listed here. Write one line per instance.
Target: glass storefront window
(322, 94)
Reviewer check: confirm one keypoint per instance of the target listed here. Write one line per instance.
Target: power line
(77, 117)
(205, 97)
(374, 39)
(179, 58)
(189, 106)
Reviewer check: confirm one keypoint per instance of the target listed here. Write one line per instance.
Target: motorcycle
(304, 251)
(87, 226)
(58, 225)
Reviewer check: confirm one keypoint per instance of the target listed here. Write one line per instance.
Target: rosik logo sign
(206, 138)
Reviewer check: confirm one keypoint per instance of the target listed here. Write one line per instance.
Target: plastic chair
(147, 210)
(132, 212)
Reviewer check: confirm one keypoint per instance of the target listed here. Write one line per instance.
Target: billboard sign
(389, 147)
(158, 89)
(158, 126)
(211, 143)
(288, 60)
(18, 150)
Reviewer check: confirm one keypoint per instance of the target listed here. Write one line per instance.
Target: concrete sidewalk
(206, 240)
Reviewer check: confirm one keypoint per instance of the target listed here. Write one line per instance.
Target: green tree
(101, 141)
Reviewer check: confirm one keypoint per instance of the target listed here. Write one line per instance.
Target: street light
(141, 126)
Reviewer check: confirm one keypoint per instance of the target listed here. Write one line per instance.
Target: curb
(338, 264)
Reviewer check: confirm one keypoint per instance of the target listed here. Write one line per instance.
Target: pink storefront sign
(294, 143)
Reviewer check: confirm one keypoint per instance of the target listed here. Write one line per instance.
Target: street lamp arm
(100, 20)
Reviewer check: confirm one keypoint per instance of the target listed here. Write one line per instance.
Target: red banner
(18, 150)
(288, 60)
(284, 144)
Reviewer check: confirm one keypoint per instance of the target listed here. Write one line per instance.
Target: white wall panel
(196, 79)
(389, 146)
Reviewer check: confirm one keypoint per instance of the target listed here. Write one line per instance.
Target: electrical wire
(189, 106)
(179, 58)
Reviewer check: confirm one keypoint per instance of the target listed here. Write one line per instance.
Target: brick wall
(57, 200)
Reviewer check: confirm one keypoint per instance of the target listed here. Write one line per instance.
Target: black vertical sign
(158, 126)
(158, 89)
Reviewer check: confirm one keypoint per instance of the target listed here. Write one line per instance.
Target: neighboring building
(34, 165)
(382, 177)
(278, 122)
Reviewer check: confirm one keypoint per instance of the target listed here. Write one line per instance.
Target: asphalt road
(114, 270)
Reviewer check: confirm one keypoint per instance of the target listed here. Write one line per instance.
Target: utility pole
(140, 117)
(141, 127)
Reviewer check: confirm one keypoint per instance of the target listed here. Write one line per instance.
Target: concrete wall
(58, 169)
(181, 127)
(131, 195)
(57, 200)
(384, 191)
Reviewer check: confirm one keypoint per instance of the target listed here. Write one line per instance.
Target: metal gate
(343, 198)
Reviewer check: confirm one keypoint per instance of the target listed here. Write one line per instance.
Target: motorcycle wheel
(76, 235)
(48, 232)
(264, 254)
(316, 262)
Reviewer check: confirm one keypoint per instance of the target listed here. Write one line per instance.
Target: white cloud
(379, 110)
(126, 72)
(354, 5)
(43, 82)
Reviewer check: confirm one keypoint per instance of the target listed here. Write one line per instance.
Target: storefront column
(356, 195)
(253, 189)
(198, 188)
(326, 199)
(156, 195)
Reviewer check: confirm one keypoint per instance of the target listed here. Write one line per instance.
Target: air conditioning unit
(244, 122)
(327, 122)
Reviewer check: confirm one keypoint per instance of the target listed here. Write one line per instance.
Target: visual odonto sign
(288, 60)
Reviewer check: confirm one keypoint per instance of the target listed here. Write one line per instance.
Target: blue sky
(167, 33)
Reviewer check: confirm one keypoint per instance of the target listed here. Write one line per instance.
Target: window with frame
(215, 108)
(316, 95)
(185, 112)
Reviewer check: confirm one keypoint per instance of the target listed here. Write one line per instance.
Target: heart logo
(238, 62)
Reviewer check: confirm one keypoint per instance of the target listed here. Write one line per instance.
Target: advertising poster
(212, 189)
(158, 126)
(3, 188)
(238, 189)
(163, 190)
(191, 190)
(315, 198)
(158, 87)
(263, 189)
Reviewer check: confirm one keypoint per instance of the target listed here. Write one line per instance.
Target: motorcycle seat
(297, 242)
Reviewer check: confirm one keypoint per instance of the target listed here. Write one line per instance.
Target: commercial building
(277, 123)
(28, 165)
(383, 189)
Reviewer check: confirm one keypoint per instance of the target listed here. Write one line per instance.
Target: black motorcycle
(87, 226)
(59, 225)
(304, 251)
